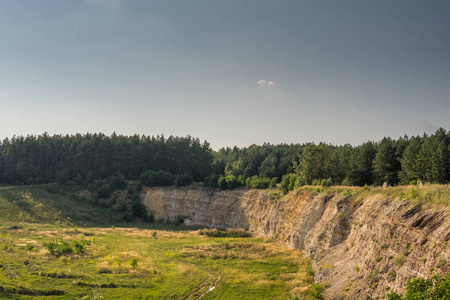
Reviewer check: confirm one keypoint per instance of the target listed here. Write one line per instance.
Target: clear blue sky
(231, 72)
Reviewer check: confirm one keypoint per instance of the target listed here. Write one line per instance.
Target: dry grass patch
(227, 251)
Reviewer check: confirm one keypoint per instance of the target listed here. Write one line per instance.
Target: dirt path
(204, 285)
(211, 287)
(6, 187)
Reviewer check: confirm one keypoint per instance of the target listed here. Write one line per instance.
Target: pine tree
(409, 161)
(385, 164)
(439, 164)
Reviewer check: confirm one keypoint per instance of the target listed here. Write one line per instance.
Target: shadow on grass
(151, 226)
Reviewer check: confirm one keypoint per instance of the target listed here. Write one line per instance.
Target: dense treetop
(166, 161)
(44, 158)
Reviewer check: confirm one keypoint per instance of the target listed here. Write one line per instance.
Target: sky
(229, 72)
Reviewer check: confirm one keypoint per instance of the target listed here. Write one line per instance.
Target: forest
(161, 161)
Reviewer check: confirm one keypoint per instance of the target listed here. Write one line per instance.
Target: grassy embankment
(432, 195)
(113, 260)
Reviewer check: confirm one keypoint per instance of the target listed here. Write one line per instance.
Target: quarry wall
(360, 245)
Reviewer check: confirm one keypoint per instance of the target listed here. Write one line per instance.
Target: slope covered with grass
(35, 204)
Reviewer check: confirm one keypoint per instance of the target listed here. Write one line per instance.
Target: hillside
(46, 205)
(363, 241)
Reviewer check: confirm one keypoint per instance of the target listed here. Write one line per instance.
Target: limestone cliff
(363, 244)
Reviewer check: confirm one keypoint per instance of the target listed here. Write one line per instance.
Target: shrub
(347, 182)
(230, 182)
(79, 247)
(222, 183)
(139, 210)
(374, 274)
(421, 288)
(289, 182)
(212, 181)
(58, 248)
(257, 182)
(104, 190)
(118, 182)
(316, 291)
(29, 247)
(106, 187)
(133, 262)
(399, 260)
(315, 182)
(183, 180)
(159, 178)
(225, 233)
(6, 243)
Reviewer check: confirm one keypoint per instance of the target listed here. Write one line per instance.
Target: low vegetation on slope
(420, 288)
(35, 204)
(430, 195)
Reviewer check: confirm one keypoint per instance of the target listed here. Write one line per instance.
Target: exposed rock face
(360, 246)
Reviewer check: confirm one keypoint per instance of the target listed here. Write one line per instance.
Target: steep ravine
(360, 245)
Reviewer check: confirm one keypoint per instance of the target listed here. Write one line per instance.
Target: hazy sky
(231, 72)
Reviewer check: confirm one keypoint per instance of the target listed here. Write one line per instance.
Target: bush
(347, 182)
(212, 181)
(183, 180)
(421, 288)
(225, 233)
(222, 183)
(316, 291)
(159, 178)
(139, 210)
(257, 182)
(79, 246)
(29, 247)
(118, 182)
(104, 190)
(289, 182)
(399, 260)
(63, 177)
(58, 248)
(230, 182)
(133, 262)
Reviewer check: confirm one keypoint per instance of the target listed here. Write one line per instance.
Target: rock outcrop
(360, 245)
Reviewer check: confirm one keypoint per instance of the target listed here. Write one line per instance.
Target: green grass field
(113, 260)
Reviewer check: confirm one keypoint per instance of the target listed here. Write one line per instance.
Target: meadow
(57, 246)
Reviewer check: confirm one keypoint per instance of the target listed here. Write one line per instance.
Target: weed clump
(236, 233)
(6, 243)
(58, 248)
(29, 247)
(133, 262)
(399, 260)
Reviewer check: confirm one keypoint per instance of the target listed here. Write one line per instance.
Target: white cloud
(267, 83)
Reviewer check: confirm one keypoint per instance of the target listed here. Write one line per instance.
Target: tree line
(403, 161)
(161, 161)
(88, 157)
